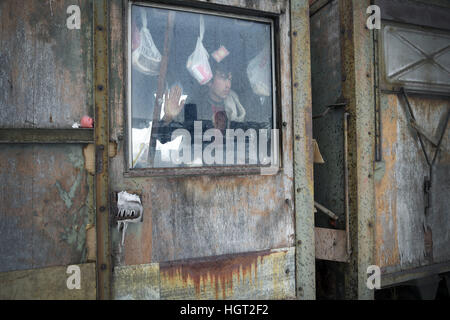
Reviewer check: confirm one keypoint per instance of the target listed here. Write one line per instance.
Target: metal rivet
(294, 33)
(100, 87)
(297, 137)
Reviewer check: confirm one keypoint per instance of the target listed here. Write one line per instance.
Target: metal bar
(347, 209)
(161, 87)
(411, 116)
(357, 88)
(440, 139)
(317, 6)
(33, 135)
(377, 103)
(194, 171)
(328, 212)
(421, 131)
(303, 151)
(328, 109)
(395, 278)
(396, 90)
(101, 87)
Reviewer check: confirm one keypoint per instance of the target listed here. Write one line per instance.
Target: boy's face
(219, 87)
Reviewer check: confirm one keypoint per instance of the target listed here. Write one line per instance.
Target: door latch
(129, 210)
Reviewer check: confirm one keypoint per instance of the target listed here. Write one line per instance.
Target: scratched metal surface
(190, 217)
(47, 284)
(400, 237)
(46, 203)
(138, 282)
(46, 69)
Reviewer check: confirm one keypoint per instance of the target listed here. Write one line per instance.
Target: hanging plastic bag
(258, 72)
(197, 63)
(146, 57)
(233, 107)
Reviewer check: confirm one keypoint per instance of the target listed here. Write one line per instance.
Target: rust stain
(89, 158)
(218, 271)
(91, 243)
(386, 248)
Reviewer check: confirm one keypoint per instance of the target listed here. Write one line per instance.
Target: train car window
(200, 88)
(416, 58)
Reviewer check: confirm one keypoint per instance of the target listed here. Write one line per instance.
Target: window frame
(225, 11)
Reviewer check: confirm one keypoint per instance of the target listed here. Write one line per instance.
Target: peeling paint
(68, 196)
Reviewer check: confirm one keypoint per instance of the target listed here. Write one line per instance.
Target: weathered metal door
(208, 232)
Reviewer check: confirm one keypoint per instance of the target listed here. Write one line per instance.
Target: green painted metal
(303, 151)
(104, 265)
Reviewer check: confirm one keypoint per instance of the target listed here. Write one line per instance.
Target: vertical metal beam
(357, 88)
(303, 151)
(104, 266)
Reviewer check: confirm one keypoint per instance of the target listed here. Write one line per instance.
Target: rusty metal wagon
(109, 201)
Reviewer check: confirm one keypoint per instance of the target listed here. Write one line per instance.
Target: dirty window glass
(418, 59)
(201, 89)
